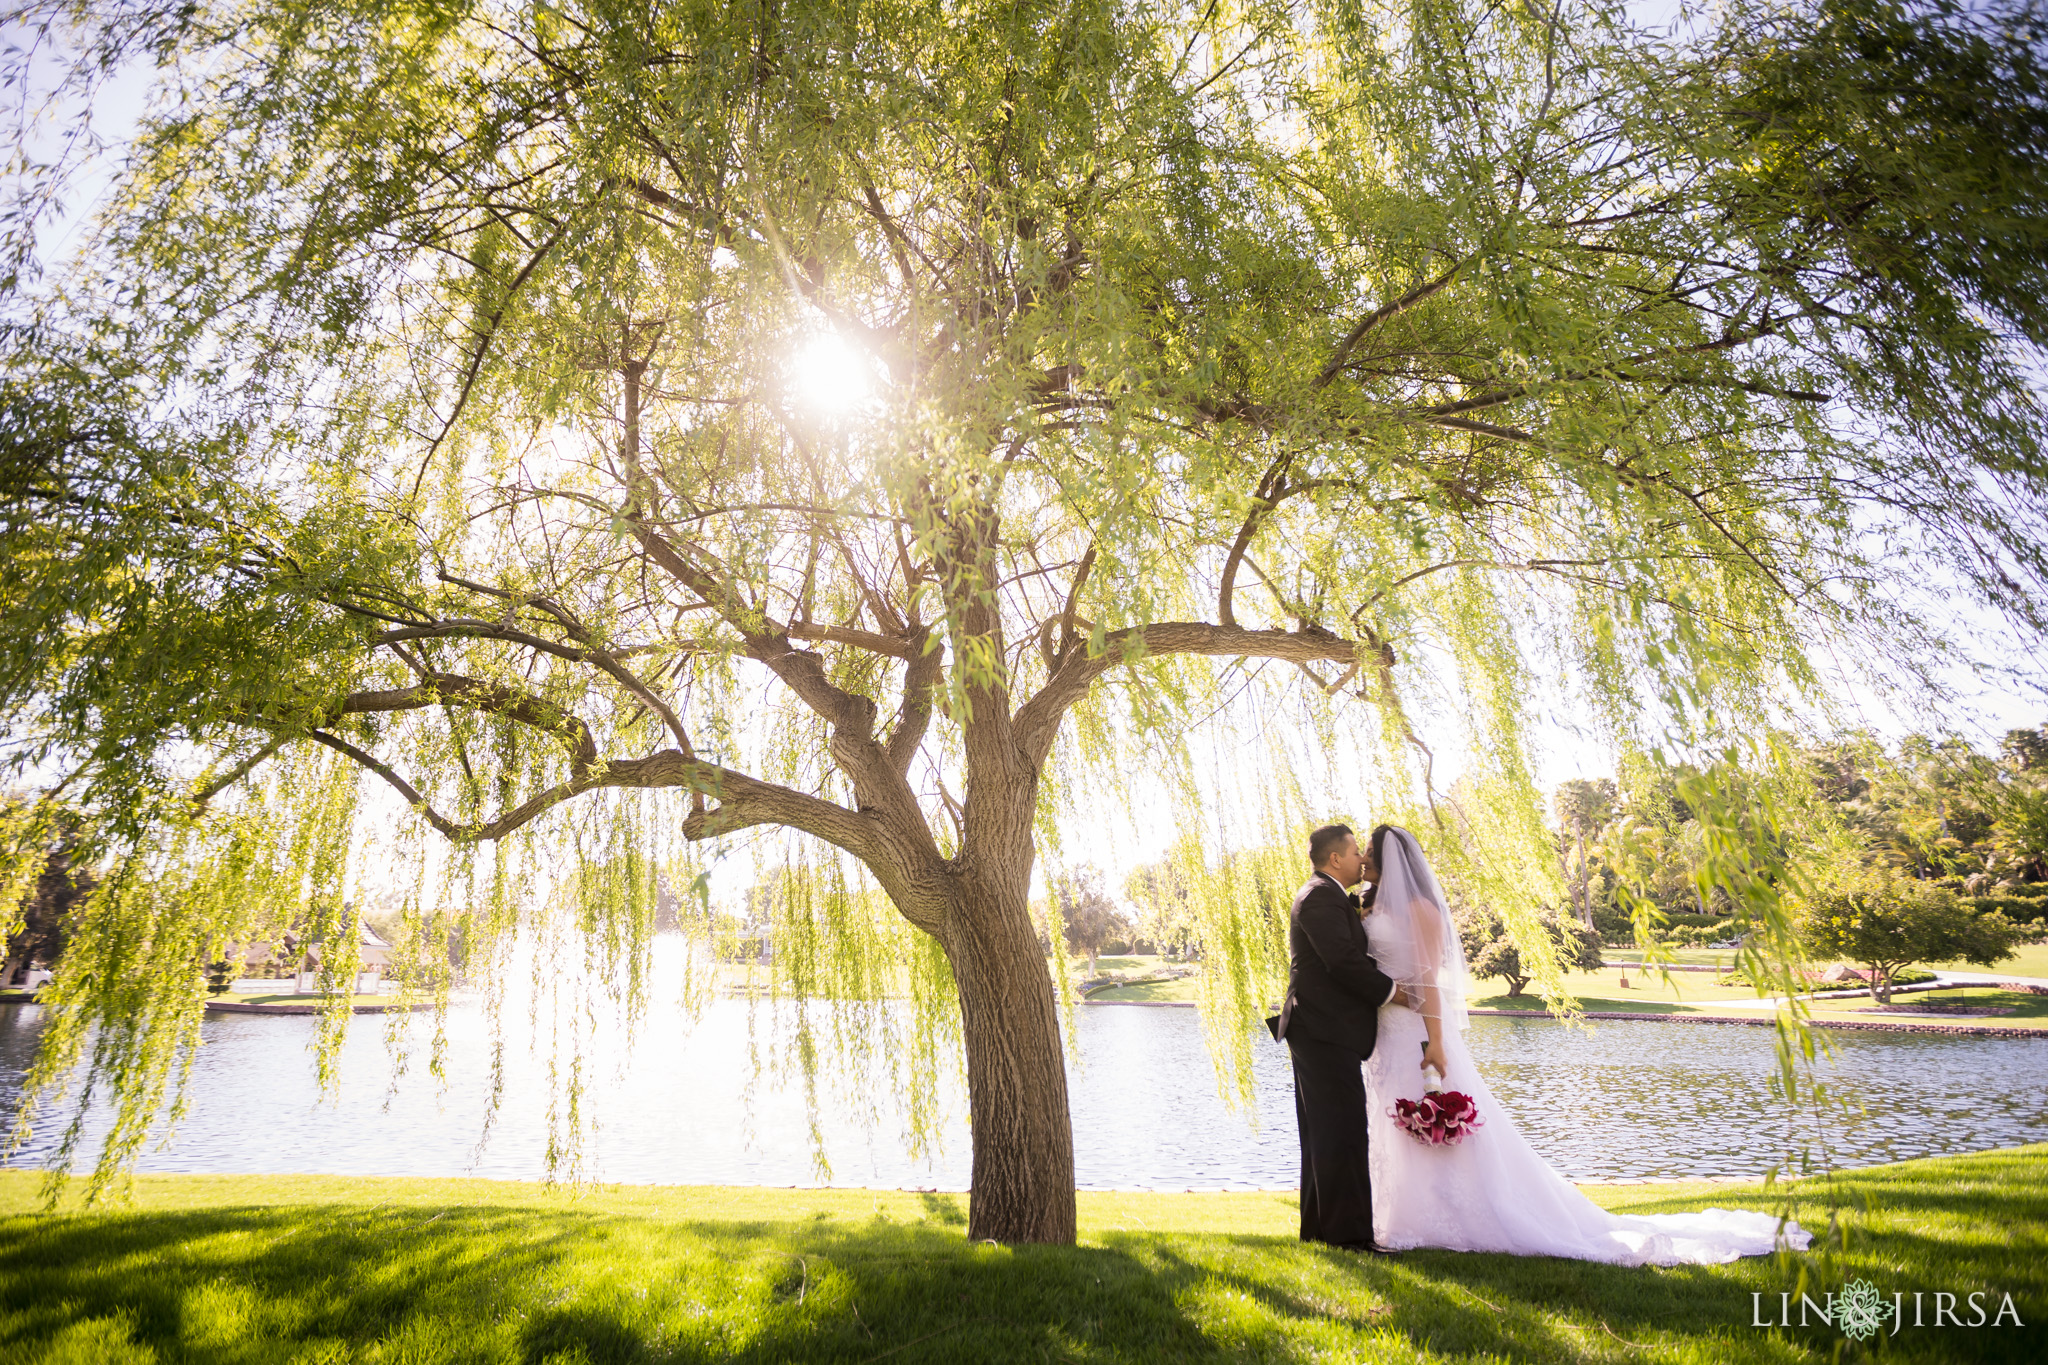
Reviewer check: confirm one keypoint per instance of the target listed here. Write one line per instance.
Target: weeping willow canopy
(599, 432)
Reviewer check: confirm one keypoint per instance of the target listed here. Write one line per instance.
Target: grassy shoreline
(1626, 988)
(333, 1269)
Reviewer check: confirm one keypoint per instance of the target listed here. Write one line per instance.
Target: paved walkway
(1983, 978)
(1942, 980)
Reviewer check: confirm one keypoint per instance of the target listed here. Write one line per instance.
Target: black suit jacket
(1334, 988)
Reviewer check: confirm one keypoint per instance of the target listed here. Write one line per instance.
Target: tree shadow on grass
(1446, 1303)
(944, 1208)
(576, 1284)
(566, 1285)
(231, 1284)
(917, 1293)
(580, 1287)
(478, 1282)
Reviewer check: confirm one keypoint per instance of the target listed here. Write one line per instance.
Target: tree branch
(743, 802)
(466, 628)
(1038, 720)
(483, 347)
(235, 774)
(895, 646)
(1264, 499)
(498, 699)
(927, 669)
(1074, 597)
(1385, 311)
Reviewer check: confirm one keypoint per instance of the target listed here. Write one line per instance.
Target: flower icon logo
(1859, 1309)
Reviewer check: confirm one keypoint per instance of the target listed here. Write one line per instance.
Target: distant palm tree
(1584, 808)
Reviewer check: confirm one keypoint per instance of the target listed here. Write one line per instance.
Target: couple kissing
(1375, 1021)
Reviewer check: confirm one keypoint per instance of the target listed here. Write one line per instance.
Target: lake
(1612, 1101)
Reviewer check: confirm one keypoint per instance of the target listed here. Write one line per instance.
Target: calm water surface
(1615, 1100)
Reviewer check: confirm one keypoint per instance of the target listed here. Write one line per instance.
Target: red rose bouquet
(1441, 1117)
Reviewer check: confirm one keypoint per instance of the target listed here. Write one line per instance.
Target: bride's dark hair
(1375, 842)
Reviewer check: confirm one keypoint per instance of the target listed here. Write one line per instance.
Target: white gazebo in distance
(373, 955)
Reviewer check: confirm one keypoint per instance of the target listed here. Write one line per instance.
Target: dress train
(1492, 1192)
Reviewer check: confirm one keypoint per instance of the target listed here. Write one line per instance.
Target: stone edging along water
(227, 1007)
(1146, 1004)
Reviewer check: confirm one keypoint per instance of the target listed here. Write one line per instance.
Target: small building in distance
(302, 960)
(373, 956)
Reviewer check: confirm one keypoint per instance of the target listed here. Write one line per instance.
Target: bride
(1490, 1192)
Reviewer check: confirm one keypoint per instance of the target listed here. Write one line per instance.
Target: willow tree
(808, 408)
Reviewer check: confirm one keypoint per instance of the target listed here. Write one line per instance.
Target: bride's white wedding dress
(1492, 1192)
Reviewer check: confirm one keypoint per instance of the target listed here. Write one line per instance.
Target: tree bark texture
(1023, 1137)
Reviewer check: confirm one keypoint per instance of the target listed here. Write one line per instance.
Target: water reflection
(1613, 1101)
(1622, 1100)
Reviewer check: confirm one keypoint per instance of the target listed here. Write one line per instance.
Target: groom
(1330, 1022)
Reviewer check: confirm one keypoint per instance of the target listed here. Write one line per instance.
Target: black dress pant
(1329, 1106)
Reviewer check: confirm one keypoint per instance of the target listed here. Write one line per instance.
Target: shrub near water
(1491, 951)
(1874, 916)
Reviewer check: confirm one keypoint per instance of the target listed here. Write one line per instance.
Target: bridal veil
(1411, 933)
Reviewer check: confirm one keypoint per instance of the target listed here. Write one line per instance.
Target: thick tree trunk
(1016, 1071)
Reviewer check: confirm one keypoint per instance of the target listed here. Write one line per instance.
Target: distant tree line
(1931, 809)
(43, 920)
(1936, 852)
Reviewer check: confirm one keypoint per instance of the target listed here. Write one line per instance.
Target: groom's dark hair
(1323, 842)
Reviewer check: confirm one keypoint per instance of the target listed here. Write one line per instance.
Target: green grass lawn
(1644, 990)
(319, 1269)
(1699, 957)
(1650, 992)
(2024, 1008)
(1697, 993)
(1129, 962)
(1180, 992)
(1645, 993)
(1860, 1010)
(1136, 976)
(1593, 1003)
(2029, 960)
